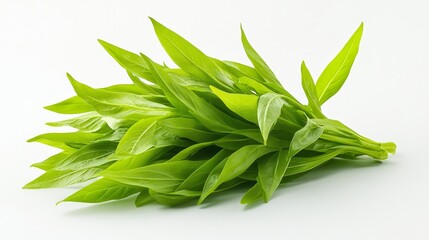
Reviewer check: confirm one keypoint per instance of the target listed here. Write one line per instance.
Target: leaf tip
(29, 185)
(71, 79)
(33, 139)
(243, 34)
(155, 23)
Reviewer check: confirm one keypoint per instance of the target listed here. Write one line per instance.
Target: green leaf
(91, 155)
(271, 173)
(144, 87)
(303, 164)
(52, 161)
(310, 90)
(187, 152)
(143, 198)
(256, 86)
(234, 141)
(243, 105)
(117, 104)
(188, 128)
(128, 60)
(337, 71)
(90, 122)
(113, 136)
(242, 70)
(187, 101)
(55, 178)
(169, 199)
(161, 177)
(254, 194)
(189, 58)
(102, 190)
(139, 137)
(73, 105)
(66, 141)
(269, 110)
(129, 88)
(260, 66)
(196, 180)
(234, 165)
(304, 137)
(139, 160)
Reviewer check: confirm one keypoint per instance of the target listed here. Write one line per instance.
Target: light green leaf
(269, 110)
(139, 160)
(117, 104)
(144, 87)
(67, 141)
(303, 164)
(102, 190)
(337, 71)
(73, 105)
(138, 138)
(256, 86)
(169, 199)
(188, 128)
(271, 173)
(260, 66)
(91, 155)
(90, 122)
(143, 198)
(52, 161)
(161, 177)
(244, 105)
(55, 178)
(128, 60)
(304, 137)
(187, 101)
(234, 141)
(189, 151)
(196, 180)
(310, 90)
(189, 58)
(234, 165)
(241, 70)
(254, 194)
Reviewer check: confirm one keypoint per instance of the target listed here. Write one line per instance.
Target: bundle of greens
(181, 134)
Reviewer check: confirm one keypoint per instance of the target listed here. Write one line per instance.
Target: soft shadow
(118, 206)
(329, 168)
(325, 170)
(234, 194)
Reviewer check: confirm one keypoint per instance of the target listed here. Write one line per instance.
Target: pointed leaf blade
(337, 71)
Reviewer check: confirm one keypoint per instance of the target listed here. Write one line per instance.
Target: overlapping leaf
(176, 135)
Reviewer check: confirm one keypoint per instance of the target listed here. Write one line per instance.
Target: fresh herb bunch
(181, 134)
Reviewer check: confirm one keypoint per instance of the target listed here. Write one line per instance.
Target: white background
(385, 98)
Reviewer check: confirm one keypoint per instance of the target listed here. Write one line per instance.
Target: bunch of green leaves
(175, 135)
